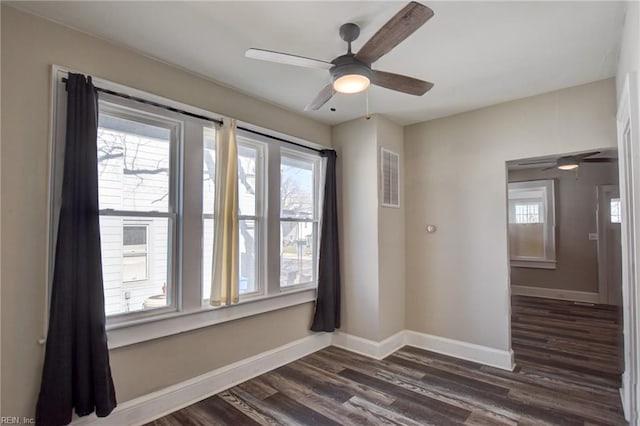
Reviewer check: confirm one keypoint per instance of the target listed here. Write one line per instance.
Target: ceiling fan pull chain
(367, 102)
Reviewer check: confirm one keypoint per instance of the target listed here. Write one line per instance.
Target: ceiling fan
(570, 162)
(352, 73)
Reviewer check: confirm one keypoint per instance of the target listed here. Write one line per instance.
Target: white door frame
(629, 169)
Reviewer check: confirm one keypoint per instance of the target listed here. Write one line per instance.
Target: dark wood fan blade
(401, 83)
(599, 160)
(285, 58)
(321, 98)
(549, 168)
(537, 162)
(585, 155)
(401, 26)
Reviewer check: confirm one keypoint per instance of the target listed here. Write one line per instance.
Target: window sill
(180, 322)
(534, 264)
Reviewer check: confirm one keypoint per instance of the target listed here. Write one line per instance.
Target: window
(137, 203)
(616, 211)
(528, 212)
(532, 224)
(157, 206)
(298, 219)
(250, 215)
(296, 232)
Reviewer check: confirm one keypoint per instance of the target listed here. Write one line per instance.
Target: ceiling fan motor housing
(348, 64)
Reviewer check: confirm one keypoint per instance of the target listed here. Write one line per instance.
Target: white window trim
(144, 328)
(515, 191)
(180, 322)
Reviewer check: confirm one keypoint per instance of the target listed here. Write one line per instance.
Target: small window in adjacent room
(528, 212)
(390, 168)
(532, 224)
(616, 211)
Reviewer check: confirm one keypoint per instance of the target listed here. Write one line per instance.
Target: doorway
(564, 237)
(565, 216)
(609, 221)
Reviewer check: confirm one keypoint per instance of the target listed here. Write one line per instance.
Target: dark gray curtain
(327, 313)
(76, 373)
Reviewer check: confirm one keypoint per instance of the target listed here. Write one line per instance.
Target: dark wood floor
(568, 370)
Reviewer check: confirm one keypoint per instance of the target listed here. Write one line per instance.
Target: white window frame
(536, 190)
(316, 213)
(126, 109)
(189, 312)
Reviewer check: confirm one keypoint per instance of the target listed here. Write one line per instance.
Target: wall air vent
(390, 168)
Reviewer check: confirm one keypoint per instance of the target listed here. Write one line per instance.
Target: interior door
(609, 245)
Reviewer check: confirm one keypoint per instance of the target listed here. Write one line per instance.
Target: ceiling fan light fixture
(351, 83)
(350, 75)
(568, 166)
(568, 163)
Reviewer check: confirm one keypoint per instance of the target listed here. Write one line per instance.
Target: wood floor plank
(216, 410)
(300, 412)
(381, 415)
(568, 367)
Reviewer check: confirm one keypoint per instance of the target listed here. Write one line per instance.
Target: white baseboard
(463, 350)
(553, 293)
(157, 404)
(455, 348)
(370, 348)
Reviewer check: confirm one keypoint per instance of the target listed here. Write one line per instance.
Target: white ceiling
(477, 53)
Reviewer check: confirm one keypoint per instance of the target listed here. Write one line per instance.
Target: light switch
(593, 236)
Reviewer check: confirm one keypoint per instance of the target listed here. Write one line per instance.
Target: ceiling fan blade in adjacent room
(321, 98)
(599, 160)
(549, 168)
(286, 58)
(585, 155)
(531, 163)
(401, 26)
(401, 83)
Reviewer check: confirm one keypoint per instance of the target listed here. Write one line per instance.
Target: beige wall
(355, 145)
(29, 46)
(391, 240)
(629, 59)
(576, 202)
(458, 278)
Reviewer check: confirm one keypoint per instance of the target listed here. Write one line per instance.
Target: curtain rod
(190, 114)
(155, 104)
(266, 135)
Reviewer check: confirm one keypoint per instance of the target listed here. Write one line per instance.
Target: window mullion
(272, 221)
